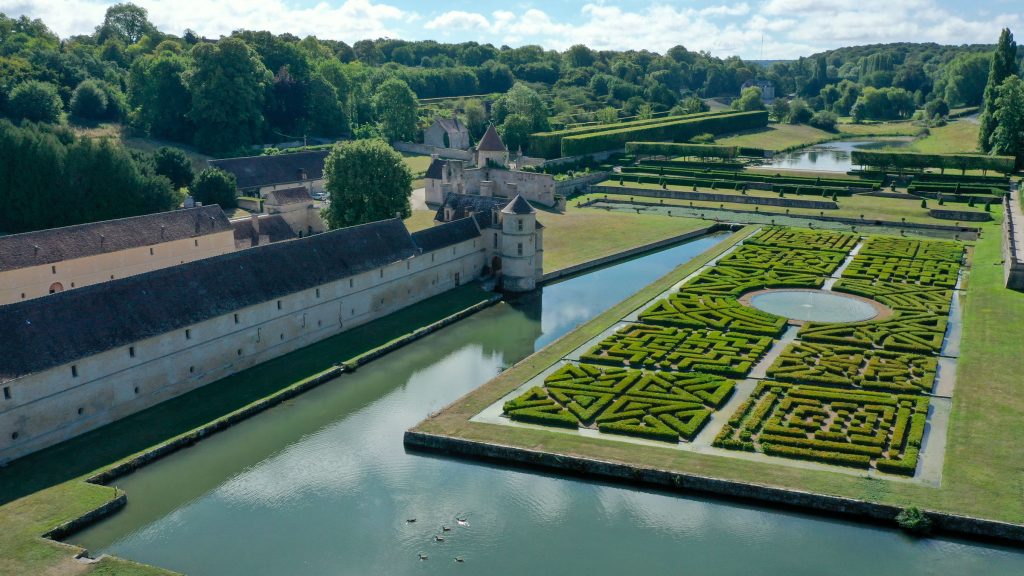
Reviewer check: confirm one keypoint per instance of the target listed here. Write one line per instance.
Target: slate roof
(59, 244)
(491, 142)
(518, 205)
(451, 124)
(298, 195)
(434, 170)
(447, 234)
(274, 226)
(259, 171)
(463, 205)
(46, 332)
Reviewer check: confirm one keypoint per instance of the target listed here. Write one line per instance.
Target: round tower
(520, 243)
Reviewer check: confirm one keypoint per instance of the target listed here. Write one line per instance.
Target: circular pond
(815, 305)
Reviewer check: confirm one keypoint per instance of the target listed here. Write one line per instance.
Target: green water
(323, 485)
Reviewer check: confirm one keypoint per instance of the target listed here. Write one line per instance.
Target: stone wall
(692, 482)
(414, 148)
(784, 202)
(960, 215)
(1013, 250)
(57, 404)
(580, 184)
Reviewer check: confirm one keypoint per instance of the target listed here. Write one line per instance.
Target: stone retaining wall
(960, 215)
(71, 526)
(567, 188)
(682, 481)
(1013, 252)
(712, 197)
(427, 150)
(598, 262)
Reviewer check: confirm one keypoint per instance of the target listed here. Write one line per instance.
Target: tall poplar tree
(1004, 65)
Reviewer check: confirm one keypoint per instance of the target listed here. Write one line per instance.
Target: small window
(319, 322)
(74, 371)
(317, 292)
(191, 369)
(519, 248)
(136, 389)
(236, 318)
(432, 257)
(351, 282)
(197, 242)
(80, 410)
(495, 241)
(111, 276)
(278, 304)
(188, 334)
(519, 224)
(150, 251)
(381, 272)
(22, 295)
(53, 269)
(131, 351)
(14, 435)
(408, 265)
(7, 392)
(453, 250)
(282, 336)
(239, 352)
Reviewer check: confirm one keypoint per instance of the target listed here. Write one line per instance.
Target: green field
(779, 137)
(981, 473)
(955, 137)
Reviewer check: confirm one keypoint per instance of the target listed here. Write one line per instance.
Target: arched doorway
(56, 287)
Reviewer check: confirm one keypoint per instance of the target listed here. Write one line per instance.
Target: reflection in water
(322, 483)
(831, 157)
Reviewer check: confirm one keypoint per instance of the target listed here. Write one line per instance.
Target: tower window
(80, 410)
(519, 248)
(53, 269)
(150, 251)
(317, 292)
(236, 318)
(278, 304)
(188, 334)
(7, 392)
(191, 369)
(519, 224)
(74, 371)
(131, 351)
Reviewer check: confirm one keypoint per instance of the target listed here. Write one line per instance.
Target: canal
(322, 484)
(832, 156)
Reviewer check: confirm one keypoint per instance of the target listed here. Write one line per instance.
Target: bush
(824, 120)
(173, 164)
(914, 521)
(35, 101)
(89, 100)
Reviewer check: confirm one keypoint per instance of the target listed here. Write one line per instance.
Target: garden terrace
(907, 248)
(854, 367)
(673, 129)
(805, 239)
(694, 164)
(727, 185)
(920, 332)
(846, 428)
(711, 173)
(692, 310)
(906, 297)
(733, 281)
(680, 349)
(687, 150)
(659, 406)
(818, 263)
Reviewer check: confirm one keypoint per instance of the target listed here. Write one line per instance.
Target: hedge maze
(805, 239)
(680, 349)
(851, 394)
(854, 367)
(848, 428)
(658, 406)
(693, 310)
(893, 269)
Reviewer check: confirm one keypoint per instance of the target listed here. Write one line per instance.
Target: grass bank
(981, 475)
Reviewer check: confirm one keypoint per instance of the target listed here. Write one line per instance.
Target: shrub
(824, 120)
(35, 101)
(215, 186)
(914, 521)
(89, 100)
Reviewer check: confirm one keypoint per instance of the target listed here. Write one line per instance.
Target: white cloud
(458, 20)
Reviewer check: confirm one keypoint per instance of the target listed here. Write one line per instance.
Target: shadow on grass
(105, 445)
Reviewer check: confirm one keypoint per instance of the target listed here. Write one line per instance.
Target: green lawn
(418, 165)
(880, 129)
(122, 134)
(779, 137)
(420, 220)
(955, 137)
(981, 475)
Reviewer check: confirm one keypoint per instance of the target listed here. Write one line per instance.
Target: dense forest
(254, 87)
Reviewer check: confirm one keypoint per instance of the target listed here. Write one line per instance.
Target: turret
(492, 149)
(521, 246)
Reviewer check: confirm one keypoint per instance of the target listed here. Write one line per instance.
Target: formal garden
(849, 394)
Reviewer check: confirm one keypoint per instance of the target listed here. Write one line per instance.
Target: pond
(323, 485)
(830, 157)
(814, 305)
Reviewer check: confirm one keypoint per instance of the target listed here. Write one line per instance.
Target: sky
(751, 29)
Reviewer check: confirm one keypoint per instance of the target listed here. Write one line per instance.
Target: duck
(462, 521)
(438, 538)
(460, 559)
(410, 520)
(423, 556)
(445, 529)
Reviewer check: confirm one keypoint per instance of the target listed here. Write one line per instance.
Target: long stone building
(258, 175)
(40, 263)
(79, 359)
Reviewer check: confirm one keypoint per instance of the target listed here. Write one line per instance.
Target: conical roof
(518, 205)
(491, 142)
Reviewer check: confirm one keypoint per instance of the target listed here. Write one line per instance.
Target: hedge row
(692, 310)
(677, 149)
(724, 183)
(1000, 181)
(676, 129)
(904, 160)
(955, 189)
(549, 144)
(919, 332)
(647, 167)
(850, 366)
(805, 239)
(722, 165)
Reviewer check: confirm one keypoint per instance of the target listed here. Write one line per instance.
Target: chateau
(78, 359)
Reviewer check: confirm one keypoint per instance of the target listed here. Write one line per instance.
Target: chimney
(487, 188)
(255, 219)
(512, 189)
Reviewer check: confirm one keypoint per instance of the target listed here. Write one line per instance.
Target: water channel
(322, 484)
(831, 157)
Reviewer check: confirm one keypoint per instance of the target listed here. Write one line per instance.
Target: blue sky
(748, 28)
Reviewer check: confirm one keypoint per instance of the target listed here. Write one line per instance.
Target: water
(830, 157)
(814, 306)
(322, 484)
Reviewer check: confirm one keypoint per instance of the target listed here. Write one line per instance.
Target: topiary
(924, 202)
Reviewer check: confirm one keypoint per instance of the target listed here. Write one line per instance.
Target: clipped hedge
(675, 149)
(676, 129)
(911, 160)
(712, 171)
(955, 189)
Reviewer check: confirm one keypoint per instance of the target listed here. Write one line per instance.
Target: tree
(1008, 136)
(962, 82)
(525, 101)
(367, 181)
(159, 98)
(326, 116)
(174, 165)
(515, 131)
(936, 109)
(228, 83)
(694, 105)
(780, 110)
(126, 22)
(215, 186)
(476, 117)
(607, 115)
(89, 100)
(749, 101)
(395, 106)
(1004, 65)
(35, 101)
(824, 120)
(799, 112)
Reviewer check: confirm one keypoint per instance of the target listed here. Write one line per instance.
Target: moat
(323, 485)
